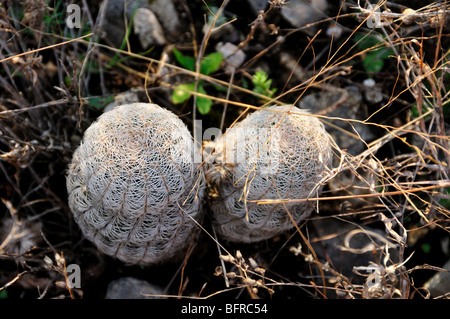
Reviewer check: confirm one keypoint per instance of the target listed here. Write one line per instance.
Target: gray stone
(135, 95)
(132, 288)
(343, 133)
(352, 108)
(257, 5)
(301, 12)
(167, 15)
(114, 26)
(294, 72)
(232, 55)
(439, 284)
(163, 17)
(148, 29)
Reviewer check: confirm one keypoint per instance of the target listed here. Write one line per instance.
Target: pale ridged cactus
(134, 189)
(279, 152)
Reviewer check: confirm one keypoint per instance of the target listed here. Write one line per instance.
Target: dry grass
(54, 82)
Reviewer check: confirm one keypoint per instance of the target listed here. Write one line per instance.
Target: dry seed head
(133, 187)
(17, 237)
(408, 15)
(279, 152)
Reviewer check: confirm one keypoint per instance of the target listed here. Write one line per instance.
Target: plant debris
(381, 70)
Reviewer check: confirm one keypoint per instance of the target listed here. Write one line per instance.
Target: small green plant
(212, 11)
(99, 102)
(445, 202)
(426, 248)
(262, 84)
(55, 19)
(209, 64)
(377, 54)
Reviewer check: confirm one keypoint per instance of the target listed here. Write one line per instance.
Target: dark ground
(38, 137)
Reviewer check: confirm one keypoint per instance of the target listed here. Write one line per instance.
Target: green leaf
(364, 41)
(374, 58)
(100, 102)
(211, 63)
(221, 88)
(426, 248)
(259, 78)
(446, 110)
(415, 110)
(444, 201)
(182, 92)
(373, 64)
(262, 84)
(374, 61)
(203, 104)
(3, 294)
(67, 81)
(186, 61)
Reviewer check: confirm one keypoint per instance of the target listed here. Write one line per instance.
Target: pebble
(257, 5)
(232, 56)
(135, 95)
(160, 15)
(352, 108)
(439, 284)
(132, 288)
(148, 29)
(301, 12)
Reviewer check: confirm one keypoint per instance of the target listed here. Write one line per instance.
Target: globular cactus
(134, 189)
(279, 152)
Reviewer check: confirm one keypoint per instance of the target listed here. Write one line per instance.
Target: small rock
(439, 284)
(114, 26)
(301, 12)
(129, 97)
(132, 288)
(147, 28)
(352, 108)
(257, 5)
(164, 14)
(348, 182)
(334, 31)
(354, 143)
(372, 91)
(168, 17)
(232, 56)
(294, 71)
